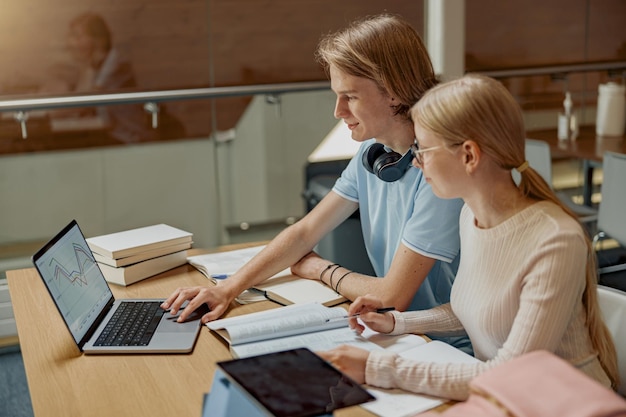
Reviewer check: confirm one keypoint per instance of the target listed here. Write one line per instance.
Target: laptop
(84, 299)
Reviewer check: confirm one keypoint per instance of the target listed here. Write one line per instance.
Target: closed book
(291, 289)
(134, 241)
(126, 275)
(149, 254)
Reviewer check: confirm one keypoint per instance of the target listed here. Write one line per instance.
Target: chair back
(539, 158)
(613, 306)
(612, 209)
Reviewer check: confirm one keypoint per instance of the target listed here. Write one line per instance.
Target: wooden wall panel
(280, 37)
(607, 30)
(533, 33)
(504, 34)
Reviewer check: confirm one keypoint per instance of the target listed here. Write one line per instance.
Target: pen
(378, 310)
(220, 276)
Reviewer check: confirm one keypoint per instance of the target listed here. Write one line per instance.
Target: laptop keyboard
(132, 324)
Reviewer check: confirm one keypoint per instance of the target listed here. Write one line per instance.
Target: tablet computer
(294, 383)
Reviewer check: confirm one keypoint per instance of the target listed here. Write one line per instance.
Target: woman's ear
(471, 156)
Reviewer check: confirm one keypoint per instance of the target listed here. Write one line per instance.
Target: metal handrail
(21, 106)
(41, 103)
(556, 69)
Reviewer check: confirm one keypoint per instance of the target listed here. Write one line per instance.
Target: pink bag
(537, 384)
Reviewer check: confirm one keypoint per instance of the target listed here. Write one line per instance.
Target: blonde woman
(527, 277)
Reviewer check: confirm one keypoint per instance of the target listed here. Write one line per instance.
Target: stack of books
(132, 255)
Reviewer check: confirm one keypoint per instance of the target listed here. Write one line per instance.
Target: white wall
(269, 153)
(108, 189)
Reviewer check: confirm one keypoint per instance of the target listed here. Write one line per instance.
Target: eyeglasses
(417, 152)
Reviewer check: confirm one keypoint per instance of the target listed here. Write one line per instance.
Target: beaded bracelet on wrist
(326, 269)
(339, 281)
(330, 282)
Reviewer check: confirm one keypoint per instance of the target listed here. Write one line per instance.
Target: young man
(379, 68)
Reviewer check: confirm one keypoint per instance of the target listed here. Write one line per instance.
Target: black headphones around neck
(389, 166)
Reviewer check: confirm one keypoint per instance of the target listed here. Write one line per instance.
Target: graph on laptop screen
(74, 281)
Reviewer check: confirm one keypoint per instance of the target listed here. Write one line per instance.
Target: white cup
(611, 113)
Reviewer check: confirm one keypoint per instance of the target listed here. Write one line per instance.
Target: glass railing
(238, 183)
(92, 120)
(580, 80)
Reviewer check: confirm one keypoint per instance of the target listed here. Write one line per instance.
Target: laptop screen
(70, 273)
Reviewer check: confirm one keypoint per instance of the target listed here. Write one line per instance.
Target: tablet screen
(295, 383)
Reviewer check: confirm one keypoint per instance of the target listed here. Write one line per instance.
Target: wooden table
(587, 146)
(64, 382)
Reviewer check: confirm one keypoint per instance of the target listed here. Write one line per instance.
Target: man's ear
(471, 155)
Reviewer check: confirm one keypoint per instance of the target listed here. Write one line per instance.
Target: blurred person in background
(99, 67)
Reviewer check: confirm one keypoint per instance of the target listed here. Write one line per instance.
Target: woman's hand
(366, 307)
(350, 360)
